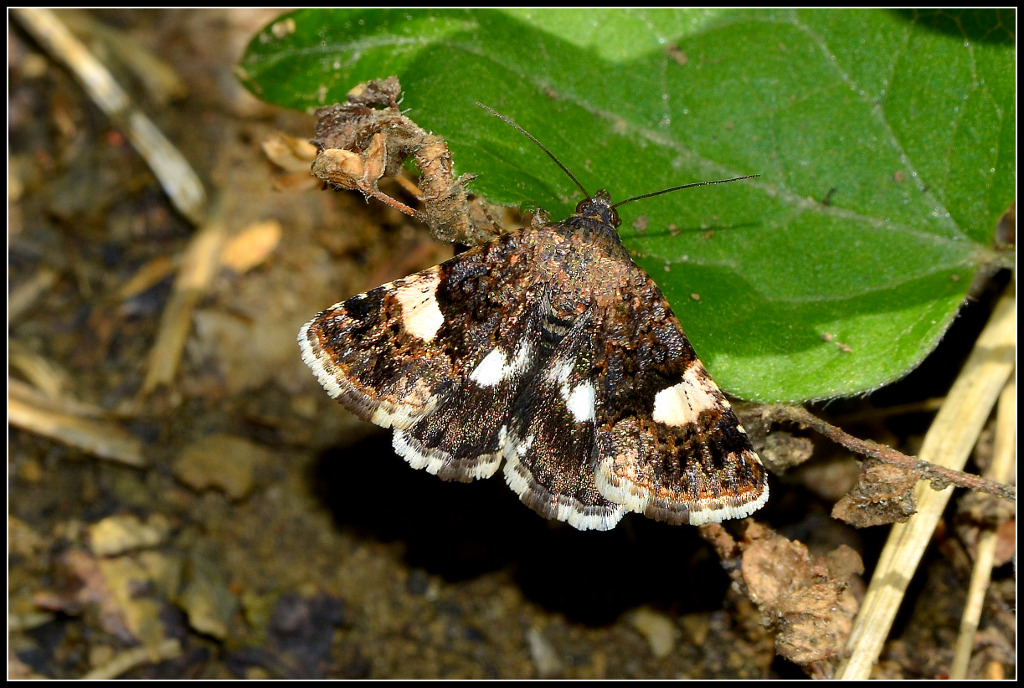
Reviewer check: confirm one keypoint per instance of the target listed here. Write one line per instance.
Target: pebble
(545, 659)
(657, 628)
(124, 532)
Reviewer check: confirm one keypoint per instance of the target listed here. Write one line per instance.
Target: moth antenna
(511, 123)
(684, 186)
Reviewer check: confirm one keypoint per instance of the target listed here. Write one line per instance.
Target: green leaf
(885, 143)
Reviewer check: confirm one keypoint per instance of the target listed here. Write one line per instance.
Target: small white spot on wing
(580, 399)
(496, 368)
(489, 371)
(581, 403)
(683, 402)
(417, 295)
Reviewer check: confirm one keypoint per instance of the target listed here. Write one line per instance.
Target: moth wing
(550, 450)
(669, 444)
(438, 355)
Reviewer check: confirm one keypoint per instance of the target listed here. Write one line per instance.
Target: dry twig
(1001, 470)
(198, 268)
(948, 442)
(168, 164)
(940, 476)
(367, 138)
(29, 410)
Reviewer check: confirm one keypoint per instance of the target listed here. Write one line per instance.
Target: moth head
(599, 208)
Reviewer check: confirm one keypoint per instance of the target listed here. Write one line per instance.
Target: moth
(549, 353)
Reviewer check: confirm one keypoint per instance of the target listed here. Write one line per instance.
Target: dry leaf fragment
(883, 494)
(367, 137)
(251, 247)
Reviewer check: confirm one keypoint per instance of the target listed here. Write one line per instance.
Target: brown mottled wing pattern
(550, 350)
(550, 451)
(669, 444)
(438, 355)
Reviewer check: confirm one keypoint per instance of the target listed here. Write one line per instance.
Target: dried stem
(168, 164)
(948, 441)
(940, 476)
